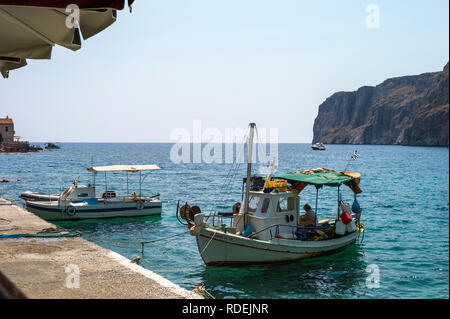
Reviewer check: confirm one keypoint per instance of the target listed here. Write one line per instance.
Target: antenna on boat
(249, 171)
(353, 157)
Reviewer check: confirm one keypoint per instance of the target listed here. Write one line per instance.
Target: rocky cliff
(408, 110)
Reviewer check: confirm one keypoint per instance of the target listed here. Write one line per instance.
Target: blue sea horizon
(405, 203)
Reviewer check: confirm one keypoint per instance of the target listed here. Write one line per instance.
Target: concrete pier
(71, 267)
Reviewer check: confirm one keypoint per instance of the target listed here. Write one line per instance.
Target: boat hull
(217, 248)
(49, 211)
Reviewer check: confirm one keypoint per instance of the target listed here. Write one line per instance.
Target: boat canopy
(124, 168)
(322, 176)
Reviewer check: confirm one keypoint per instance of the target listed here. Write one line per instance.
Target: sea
(404, 252)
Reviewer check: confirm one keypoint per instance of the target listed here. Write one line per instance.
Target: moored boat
(268, 226)
(318, 147)
(80, 201)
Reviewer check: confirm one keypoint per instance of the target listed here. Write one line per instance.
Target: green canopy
(322, 176)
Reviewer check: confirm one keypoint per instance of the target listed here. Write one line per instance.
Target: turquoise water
(405, 203)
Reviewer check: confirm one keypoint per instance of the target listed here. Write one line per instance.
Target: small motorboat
(52, 146)
(80, 201)
(268, 227)
(318, 147)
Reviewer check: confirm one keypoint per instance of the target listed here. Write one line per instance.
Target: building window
(6, 128)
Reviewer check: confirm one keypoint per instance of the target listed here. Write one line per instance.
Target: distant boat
(318, 147)
(52, 146)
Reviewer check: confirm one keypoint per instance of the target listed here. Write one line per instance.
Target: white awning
(125, 168)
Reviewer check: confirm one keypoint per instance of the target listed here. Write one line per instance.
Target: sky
(223, 63)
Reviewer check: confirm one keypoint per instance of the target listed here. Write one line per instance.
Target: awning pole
(249, 172)
(93, 181)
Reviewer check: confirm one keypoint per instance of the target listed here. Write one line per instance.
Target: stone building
(6, 130)
(7, 142)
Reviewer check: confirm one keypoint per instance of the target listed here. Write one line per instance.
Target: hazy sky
(225, 63)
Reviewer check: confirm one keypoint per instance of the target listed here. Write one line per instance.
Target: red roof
(6, 121)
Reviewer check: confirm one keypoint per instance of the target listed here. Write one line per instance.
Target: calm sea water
(405, 203)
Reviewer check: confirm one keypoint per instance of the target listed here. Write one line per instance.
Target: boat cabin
(78, 192)
(266, 209)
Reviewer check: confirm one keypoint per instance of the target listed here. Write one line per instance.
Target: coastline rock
(408, 110)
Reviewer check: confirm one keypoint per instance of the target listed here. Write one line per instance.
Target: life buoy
(71, 211)
(140, 205)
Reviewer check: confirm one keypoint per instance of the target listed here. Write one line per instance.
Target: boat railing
(220, 216)
(298, 232)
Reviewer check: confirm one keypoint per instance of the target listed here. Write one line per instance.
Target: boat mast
(249, 172)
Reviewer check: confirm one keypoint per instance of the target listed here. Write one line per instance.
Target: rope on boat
(184, 267)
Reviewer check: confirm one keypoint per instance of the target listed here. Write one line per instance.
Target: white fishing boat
(318, 147)
(268, 227)
(80, 201)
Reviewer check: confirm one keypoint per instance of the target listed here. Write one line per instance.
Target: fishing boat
(80, 201)
(52, 146)
(268, 227)
(318, 147)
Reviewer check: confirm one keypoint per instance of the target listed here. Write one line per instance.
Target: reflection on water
(405, 211)
(322, 277)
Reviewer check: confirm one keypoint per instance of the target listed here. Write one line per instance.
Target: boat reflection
(329, 276)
